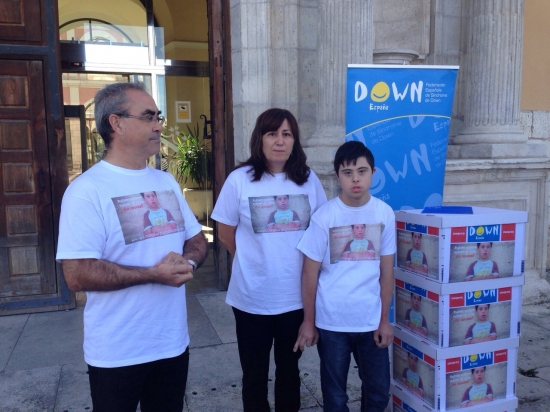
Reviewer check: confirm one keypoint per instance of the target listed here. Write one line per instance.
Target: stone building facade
(294, 54)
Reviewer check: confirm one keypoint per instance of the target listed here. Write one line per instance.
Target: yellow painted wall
(185, 20)
(123, 13)
(193, 89)
(535, 93)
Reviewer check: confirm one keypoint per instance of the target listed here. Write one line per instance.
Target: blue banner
(403, 115)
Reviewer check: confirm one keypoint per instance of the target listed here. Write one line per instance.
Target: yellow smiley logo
(473, 358)
(380, 92)
(477, 294)
(479, 231)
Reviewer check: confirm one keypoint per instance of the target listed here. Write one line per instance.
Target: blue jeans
(157, 386)
(335, 349)
(256, 335)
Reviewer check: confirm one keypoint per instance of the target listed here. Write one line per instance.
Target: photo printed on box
(480, 316)
(414, 371)
(418, 251)
(481, 252)
(476, 379)
(416, 310)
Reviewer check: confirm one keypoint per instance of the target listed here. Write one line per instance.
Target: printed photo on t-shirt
(148, 214)
(279, 213)
(355, 242)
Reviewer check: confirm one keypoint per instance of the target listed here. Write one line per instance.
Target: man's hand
(307, 336)
(383, 336)
(174, 270)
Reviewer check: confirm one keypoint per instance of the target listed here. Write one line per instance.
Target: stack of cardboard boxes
(457, 309)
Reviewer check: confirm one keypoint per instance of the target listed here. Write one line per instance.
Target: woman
(265, 291)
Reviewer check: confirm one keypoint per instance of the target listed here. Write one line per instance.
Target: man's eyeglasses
(149, 118)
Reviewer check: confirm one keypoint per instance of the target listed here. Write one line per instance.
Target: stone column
(345, 36)
(493, 82)
(264, 51)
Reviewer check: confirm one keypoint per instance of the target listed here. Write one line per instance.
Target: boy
(483, 330)
(410, 378)
(283, 218)
(416, 259)
(358, 248)
(156, 221)
(414, 319)
(480, 392)
(484, 267)
(349, 301)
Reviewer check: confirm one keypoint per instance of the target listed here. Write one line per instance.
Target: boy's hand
(383, 336)
(307, 336)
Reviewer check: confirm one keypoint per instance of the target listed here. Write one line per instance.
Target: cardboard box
(444, 379)
(487, 244)
(402, 401)
(457, 314)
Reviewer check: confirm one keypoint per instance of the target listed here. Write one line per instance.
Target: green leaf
(193, 158)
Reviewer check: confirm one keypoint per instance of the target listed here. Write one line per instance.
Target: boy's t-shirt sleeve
(314, 242)
(470, 271)
(469, 333)
(466, 396)
(388, 245)
(169, 216)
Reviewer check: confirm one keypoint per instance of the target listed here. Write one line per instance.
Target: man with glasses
(136, 342)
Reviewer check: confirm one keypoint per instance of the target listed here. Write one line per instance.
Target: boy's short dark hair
(349, 152)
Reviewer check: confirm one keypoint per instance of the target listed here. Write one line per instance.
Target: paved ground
(42, 366)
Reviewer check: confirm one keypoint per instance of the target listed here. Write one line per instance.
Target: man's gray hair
(112, 99)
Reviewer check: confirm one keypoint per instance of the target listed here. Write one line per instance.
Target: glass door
(186, 148)
(85, 147)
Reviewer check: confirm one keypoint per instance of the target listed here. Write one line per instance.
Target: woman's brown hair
(295, 167)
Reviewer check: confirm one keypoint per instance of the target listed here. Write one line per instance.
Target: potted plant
(193, 163)
(193, 159)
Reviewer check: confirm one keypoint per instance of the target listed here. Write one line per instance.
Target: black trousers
(256, 334)
(157, 386)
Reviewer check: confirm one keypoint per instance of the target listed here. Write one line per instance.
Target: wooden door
(221, 110)
(32, 158)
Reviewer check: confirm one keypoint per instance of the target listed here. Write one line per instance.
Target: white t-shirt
(267, 267)
(102, 217)
(348, 292)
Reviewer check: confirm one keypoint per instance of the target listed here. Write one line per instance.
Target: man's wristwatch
(192, 263)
